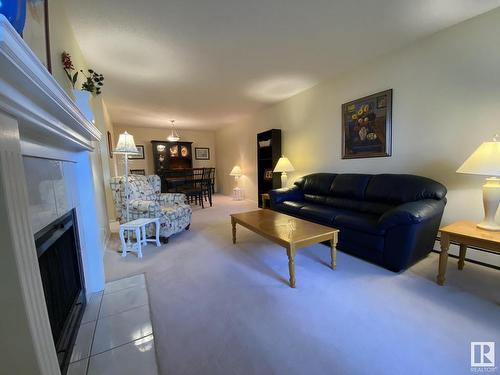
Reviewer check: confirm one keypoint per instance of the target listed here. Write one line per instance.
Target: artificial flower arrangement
(93, 81)
(364, 124)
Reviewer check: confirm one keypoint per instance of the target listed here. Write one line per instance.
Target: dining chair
(212, 179)
(198, 188)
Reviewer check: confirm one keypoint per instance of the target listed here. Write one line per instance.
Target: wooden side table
(465, 233)
(266, 200)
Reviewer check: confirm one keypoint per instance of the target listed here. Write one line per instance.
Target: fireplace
(61, 273)
(38, 119)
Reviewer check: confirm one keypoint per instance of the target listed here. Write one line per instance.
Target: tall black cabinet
(268, 154)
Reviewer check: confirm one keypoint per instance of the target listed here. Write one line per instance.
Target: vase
(15, 12)
(82, 101)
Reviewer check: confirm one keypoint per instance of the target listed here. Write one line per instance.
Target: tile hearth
(116, 335)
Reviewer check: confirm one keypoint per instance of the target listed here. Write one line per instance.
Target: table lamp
(485, 161)
(283, 165)
(236, 173)
(126, 146)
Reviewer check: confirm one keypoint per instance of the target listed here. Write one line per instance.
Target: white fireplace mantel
(30, 93)
(35, 109)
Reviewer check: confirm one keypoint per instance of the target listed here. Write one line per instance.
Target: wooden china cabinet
(171, 156)
(171, 159)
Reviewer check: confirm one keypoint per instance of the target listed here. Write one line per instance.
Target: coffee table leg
(291, 265)
(333, 250)
(233, 223)
(461, 258)
(443, 258)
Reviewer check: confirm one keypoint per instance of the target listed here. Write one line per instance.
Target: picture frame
(36, 32)
(141, 172)
(202, 153)
(138, 156)
(110, 145)
(367, 126)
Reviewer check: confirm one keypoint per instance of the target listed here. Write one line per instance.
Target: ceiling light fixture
(174, 136)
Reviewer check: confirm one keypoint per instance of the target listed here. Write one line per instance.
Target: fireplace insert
(58, 250)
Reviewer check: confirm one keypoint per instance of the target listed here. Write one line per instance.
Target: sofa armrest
(411, 213)
(286, 194)
(166, 198)
(145, 208)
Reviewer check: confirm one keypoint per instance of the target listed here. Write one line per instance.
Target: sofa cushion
(319, 212)
(314, 198)
(289, 206)
(316, 183)
(377, 208)
(401, 188)
(350, 185)
(367, 223)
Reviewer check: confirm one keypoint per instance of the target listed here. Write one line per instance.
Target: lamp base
(237, 194)
(284, 179)
(491, 201)
(489, 226)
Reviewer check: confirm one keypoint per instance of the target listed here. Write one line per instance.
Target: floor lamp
(236, 173)
(126, 147)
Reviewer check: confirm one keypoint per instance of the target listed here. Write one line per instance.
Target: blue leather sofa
(388, 219)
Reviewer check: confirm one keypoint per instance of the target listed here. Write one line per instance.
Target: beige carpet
(219, 308)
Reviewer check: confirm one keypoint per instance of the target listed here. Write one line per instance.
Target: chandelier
(174, 136)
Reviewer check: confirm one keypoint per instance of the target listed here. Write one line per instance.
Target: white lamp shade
(126, 145)
(484, 161)
(236, 171)
(283, 165)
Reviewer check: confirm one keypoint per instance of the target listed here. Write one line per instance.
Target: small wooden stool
(139, 227)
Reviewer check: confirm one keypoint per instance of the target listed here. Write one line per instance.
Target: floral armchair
(145, 200)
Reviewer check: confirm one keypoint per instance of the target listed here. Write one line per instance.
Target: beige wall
(144, 136)
(446, 102)
(62, 39)
(105, 125)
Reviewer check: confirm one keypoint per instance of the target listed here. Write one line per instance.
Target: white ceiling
(207, 63)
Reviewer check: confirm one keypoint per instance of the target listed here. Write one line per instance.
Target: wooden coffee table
(287, 231)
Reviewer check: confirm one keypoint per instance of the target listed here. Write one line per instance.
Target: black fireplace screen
(61, 272)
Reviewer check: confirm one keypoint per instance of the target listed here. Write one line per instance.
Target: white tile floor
(116, 335)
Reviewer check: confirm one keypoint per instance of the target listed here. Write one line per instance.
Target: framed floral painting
(367, 126)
